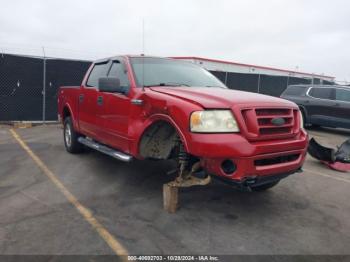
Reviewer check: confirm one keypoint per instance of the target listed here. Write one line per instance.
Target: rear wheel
(305, 123)
(70, 137)
(264, 187)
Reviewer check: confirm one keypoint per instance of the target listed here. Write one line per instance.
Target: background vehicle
(157, 108)
(321, 105)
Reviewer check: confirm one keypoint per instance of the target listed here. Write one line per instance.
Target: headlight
(213, 121)
(301, 120)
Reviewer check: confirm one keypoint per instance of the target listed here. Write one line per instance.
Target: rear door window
(322, 93)
(99, 70)
(342, 95)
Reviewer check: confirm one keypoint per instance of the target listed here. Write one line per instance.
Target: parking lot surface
(306, 213)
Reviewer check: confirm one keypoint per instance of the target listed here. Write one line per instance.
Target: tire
(265, 187)
(70, 137)
(305, 123)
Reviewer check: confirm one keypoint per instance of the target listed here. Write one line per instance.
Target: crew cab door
(342, 107)
(320, 105)
(89, 120)
(116, 109)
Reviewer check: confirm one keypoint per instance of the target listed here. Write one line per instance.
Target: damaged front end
(337, 159)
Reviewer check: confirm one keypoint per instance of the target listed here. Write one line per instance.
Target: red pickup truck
(160, 108)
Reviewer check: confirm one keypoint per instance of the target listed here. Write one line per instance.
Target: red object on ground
(338, 166)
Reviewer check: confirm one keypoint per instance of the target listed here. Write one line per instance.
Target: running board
(105, 149)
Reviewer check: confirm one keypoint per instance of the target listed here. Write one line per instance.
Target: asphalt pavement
(305, 214)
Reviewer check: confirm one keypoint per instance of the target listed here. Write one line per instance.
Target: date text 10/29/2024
(173, 258)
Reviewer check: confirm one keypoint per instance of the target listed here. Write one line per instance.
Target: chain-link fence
(264, 84)
(29, 85)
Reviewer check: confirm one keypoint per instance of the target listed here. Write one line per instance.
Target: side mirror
(110, 85)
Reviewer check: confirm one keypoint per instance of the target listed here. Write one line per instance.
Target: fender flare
(75, 122)
(165, 118)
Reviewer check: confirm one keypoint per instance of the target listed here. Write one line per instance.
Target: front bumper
(249, 182)
(252, 160)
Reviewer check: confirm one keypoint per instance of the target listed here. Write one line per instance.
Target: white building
(234, 67)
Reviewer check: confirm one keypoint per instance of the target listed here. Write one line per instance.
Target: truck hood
(215, 97)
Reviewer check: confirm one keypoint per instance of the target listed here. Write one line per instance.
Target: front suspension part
(184, 179)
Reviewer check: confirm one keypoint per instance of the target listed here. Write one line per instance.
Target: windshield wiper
(167, 84)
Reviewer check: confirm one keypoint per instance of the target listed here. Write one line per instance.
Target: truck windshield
(151, 71)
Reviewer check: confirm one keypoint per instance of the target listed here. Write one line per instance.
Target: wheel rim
(68, 135)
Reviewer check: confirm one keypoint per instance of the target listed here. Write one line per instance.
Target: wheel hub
(68, 135)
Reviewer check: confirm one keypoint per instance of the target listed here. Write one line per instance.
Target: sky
(308, 35)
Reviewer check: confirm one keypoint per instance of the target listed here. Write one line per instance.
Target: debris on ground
(337, 159)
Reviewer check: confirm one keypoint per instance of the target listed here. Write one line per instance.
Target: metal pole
(259, 84)
(226, 78)
(143, 54)
(44, 87)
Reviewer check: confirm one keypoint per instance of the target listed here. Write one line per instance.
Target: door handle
(137, 102)
(81, 98)
(100, 100)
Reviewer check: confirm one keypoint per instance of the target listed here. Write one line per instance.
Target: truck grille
(260, 123)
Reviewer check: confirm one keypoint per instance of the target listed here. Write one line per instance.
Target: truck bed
(69, 95)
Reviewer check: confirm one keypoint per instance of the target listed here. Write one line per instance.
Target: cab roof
(105, 60)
